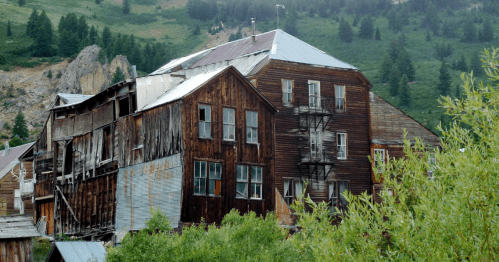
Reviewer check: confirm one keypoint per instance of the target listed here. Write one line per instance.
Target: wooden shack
(16, 233)
(388, 124)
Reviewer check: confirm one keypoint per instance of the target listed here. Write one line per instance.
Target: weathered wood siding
(8, 184)
(230, 91)
(354, 121)
(17, 249)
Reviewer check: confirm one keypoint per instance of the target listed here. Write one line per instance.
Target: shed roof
(388, 124)
(80, 251)
(17, 227)
(276, 45)
(9, 158)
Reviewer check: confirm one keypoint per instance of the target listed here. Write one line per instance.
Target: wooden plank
(67, 203)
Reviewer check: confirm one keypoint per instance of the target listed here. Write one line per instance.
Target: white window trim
(250, 182)
(343, 94)
(205, 178)
(204, 121)
(256, 182)
(345, 145)
(252, 129)
(229, 125)
(381, 152)
(315, 136)
(317, 97)
(242, 180)
(287, 93)
(336, 195)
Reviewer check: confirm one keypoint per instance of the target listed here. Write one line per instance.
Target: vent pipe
(253, 38)
(134, 71)
(7, 148)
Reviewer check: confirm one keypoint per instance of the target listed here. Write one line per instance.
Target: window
(314, 94)
(288, 192)
(287, 91)
(17, 199)
(229, 124)
(340, 97)
(106, 143)
(336, 199)
(432, 163)
(124, 107)
(207, 171)
(251, 127)
(315, 144)
(242, 182)
(379, 159)
(204, 121)
(341, 141)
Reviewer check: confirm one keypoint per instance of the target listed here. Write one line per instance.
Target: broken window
(340, 97)
(215, 183)
(212, 172)
(204, 121)
(341, 140)
(243, 184)
(379, 159)
(68, 158)
(287, 91)
(200, 177)
(229, 124)
(314, 94)
(124, 107)
(315, 144)
(336, 198)
(106, 143)
(60, 114)
(292, 189)
(251, 127)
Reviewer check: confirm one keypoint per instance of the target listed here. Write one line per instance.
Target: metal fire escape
(315, 161)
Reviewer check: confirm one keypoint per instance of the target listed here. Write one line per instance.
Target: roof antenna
(253, 38)
(277, 8)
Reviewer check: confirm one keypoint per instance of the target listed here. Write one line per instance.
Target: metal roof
(80, 251)
(245, 55)
(70, 99)
(185, 88)
(17, 227)
(10, 158)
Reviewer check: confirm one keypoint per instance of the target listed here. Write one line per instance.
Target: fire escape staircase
(319, 163)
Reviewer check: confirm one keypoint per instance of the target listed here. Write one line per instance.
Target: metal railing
(320, 156)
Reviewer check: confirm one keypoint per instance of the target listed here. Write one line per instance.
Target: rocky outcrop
(86, 75)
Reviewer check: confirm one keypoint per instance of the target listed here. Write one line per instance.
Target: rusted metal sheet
(83, 124)
(155, 184)
(103, 115)
(63, 128)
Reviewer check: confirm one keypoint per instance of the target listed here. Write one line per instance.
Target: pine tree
(345, 31)
(461, 64)
(378, 34)
(9, 32)
(32, 25)
(469, 31)
(476, 64)
(385, 68)
(126, 6)
(405, 98)
(444, 80)
(458, 92)
(92, 36)
(428, 37)
(21, 2)
(290, 26)
(69, 41)
(118, 76)
(107, 38)
(20, 128)
(431, 19)
(487, 32)
(44, 36)
(395, 77)
(196, 30)
(82, 28)
(366, 28)
(405, 66)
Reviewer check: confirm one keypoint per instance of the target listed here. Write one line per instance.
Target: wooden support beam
(66, 201)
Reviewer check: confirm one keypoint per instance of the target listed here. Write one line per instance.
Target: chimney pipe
(7, 148)
(253, 38)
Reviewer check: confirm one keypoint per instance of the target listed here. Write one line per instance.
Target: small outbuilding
(15, 238)
(77, 251)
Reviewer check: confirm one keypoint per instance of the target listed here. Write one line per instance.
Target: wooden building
(194, 148)
(322, 127)
(16, 233)
(14, 190)
(387, 125)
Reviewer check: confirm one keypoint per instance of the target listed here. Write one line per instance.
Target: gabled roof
(194, 83)
(17, 227)
(69, 99)
(245, 55)
(79, 251)
(10, 158)
(388, 123)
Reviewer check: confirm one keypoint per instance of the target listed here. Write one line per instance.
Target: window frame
(205, 122)
(230, 126)
(343, 98)
(317, 137)
(251, 185)
(287, 91)
(382, 152)
(316, 96)
(336, 200)
(208, 178)
(250, 129)
(344, 145)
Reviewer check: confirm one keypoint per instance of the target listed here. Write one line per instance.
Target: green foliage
(444, 79)
(4, 136)
(366, 28)
(41, 249)
(290, 26)
(475, 64)
(405, 97)
(394, 83)
(20, 129)
(6, 126)
(43, 36)
(16, 141)
(405, 66)
(239, 238)
(345, 31)
(469, 32)
(487, 33)
(9, 31)
(31, 27)
(442, 50)
(126, 7)
(49, 75)
(378, 34)
(118, 76)
(431, 19)
(461, 64)
(428, 36)
(196, 30)
(21, 2)
(385, 68)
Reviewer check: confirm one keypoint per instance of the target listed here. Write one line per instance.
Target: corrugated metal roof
(10, 159)
(185, 88)
(79, 251)
(17, 227)
(70, 99)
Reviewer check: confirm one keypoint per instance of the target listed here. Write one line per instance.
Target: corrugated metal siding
(150, 88)
(155, 184)
(82, 251)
